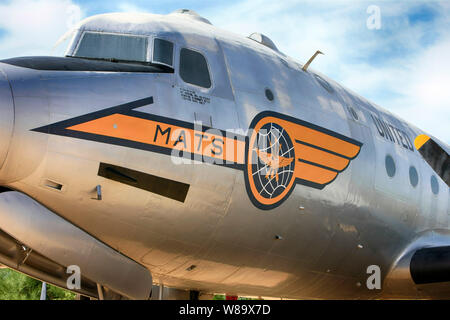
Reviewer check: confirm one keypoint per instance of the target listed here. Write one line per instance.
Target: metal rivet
(115, 126)
(358, 284)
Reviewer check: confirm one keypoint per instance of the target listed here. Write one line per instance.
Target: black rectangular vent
(164, 187)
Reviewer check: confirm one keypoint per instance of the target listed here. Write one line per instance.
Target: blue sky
(404, 66)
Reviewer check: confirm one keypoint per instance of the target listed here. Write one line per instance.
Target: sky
(394, 53)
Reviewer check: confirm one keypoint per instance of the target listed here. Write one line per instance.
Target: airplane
(164, 152)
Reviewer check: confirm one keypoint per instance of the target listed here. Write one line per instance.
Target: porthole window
(413, 176)
(269, 95)
(434, 185)
(390, 166)
(194, 68)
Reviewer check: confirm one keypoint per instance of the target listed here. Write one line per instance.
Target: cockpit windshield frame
(152, 51)
(167, 47)
(114, 57)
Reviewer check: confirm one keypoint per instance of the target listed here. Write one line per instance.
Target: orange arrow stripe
(147, 131)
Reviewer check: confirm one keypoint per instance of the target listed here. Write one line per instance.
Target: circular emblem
(270, 164)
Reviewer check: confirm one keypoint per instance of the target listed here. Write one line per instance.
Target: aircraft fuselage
(338, 208)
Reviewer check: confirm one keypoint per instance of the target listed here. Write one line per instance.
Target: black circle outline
(255, 202)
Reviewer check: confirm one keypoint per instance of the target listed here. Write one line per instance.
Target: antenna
(305, 67)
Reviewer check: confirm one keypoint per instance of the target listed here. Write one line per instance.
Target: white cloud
(425, 87)
(413, 85)
(32, 27)
(129, 7)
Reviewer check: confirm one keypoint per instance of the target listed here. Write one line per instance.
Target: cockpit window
(194, 68)
(97, 45)
(163, 52)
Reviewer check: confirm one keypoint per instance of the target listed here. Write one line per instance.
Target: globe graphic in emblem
(272, 163)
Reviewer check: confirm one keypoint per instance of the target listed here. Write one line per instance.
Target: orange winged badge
(302, 153)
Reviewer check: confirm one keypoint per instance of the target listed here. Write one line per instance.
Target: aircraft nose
(6, 116)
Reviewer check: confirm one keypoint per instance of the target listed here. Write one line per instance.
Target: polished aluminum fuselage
(329, 236)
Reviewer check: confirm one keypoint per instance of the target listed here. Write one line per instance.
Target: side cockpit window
(163, 52)
(118, 47)
(194, 68)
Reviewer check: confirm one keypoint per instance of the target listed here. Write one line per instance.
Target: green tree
(17, 286)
